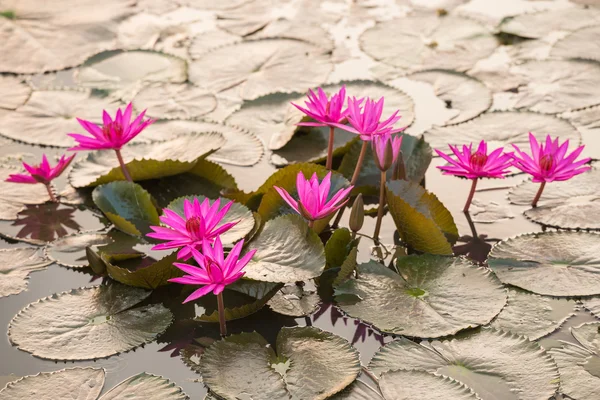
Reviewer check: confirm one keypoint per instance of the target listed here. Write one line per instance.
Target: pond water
(192, 33)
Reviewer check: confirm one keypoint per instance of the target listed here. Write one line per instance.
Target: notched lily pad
(173, 101)
(550, 263)
(15, 92)
(95, 322)
(411, 385)
(69, 251)
(294, 301)
(358, 390)
(145, 386)
(593, 306)
(582, 43)
(314, 365)
(16, 265)
(430, 296)
(488, 212)
(538, 25)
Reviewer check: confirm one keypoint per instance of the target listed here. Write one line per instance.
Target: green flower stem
(330, 149)
(311, 223)
(471, 194)
(123, 167)
(221, 306)
(381, 207)
(51, 192)
(538, 195)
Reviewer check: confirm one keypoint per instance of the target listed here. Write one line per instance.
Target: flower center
(195, 227)
(546, 162)
(114, 130)
(478, 160)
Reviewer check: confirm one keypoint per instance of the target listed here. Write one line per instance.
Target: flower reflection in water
(46, 222)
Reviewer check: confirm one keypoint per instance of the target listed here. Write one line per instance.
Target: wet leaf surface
(94, 322)
(15, 267)
(294, 301)
(551, 263)
(430, 296)
(408, 385)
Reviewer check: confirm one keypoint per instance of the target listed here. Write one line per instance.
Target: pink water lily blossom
(214, 271)
(322, 110)
(201, 222)
(43, 173)
(365, 120)
(313, 204)
(379, 144)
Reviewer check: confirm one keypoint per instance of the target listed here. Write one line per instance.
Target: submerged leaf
(550, 263)
(94, 322)
(430, 296)
(143, 272)
(412, 385)
(15, 266)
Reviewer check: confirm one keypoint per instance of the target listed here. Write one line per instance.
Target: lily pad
(593, 306)
(579, 364)
(582, 44)
(496, 365)
(421, 219)
(16, 265)
(566, 204)
(467, 95)
(145, 386)
(69, 251)
(237, 212)
(14, 196)
(118, 69)
(337, 247)
(488, 212)
(448, 42)
(533, 316)
(539, 25)
(144, 272)
(79, 383)
(127, 205)
(240, 147)
(287, 251)
(294, 301)
(145, 160)
(430, 296)
(550, 263)
(48, 116)
(257, 68)
(358, 390)
(410, 385)
(315, 365)
(94, 322)
(492, 128)
(15, 92)
(174, 101)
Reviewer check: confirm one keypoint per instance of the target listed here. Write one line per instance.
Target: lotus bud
(357, 215)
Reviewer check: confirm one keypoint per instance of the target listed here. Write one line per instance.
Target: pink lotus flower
(313, 204)
(478, 164)
(43, 173)
(550, 162)
(325, 112)
(379, 144)
(199, 224)
(214, 271)
(113, 134)
(365, 120)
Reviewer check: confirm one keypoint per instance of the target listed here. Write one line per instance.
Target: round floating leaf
(430, 296)
(127, 205)
(467, 95)
(588, 335)
(74, 383)
(169, 100)
(582, 43)
(538, 25)
(550, 263)
(294, 301)
(257, 68)
(54, 36)
(358, 390)
(492, 128)
(237, 212)
(533, 316)
(567, 204)
(15, 266)
(314, 365)
(145, 386)
(69, 251)
(443, 42)
(145, 160)
(495, 365)
(119, 69)
(421, 219)
(15, 92)
(337, 247)
(412, 385)
(488, 212)
(287, 251)
(48, 116)
(240, 147)
(593, 305)
(94, 322)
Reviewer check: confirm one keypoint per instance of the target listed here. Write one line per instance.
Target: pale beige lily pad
(48, 116)
(429, 41)
(16, 265)
(294, 301)
(174, 101)
(257, 68)
(15, 92)
(593, 306)
(412, 385)
(69, 251)
(213, 39)
(583, 43)
(539, 25)
(15, 196)
(145, 386)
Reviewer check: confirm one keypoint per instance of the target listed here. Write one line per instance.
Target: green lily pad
(16, 265)
(410, 385)
(496, 365)
(550, 263)
(533, 316)
(421, 219)
(593, 306)
(294, 301)
(314, 365)
(144, 272)
(14, 196)
(358, 390)
(430, 296)
(566, 204)
(145, 160)
(579, 365)
(337, 247)
(287, 251)
(145, 386)
(127, 205)
(95, 322)
(237, 212)
(69, 251)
